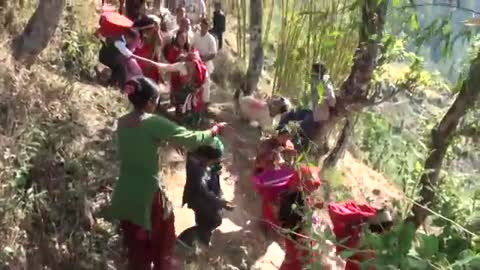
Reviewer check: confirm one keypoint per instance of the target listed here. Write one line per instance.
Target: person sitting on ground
(203, 194)
(258, 112)
(271, 151)
(139, 200)
(219, 24)
(206, 45)
(348, 219)
(310, 119)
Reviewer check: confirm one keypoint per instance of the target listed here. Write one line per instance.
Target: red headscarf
(113, 24)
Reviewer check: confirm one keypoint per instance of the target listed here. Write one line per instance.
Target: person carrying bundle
(273, 184)
(139, 200)
(259, 112)
(348, 219)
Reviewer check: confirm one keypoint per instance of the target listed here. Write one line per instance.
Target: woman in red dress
(174, 52)
(150, 47)
(190, 82)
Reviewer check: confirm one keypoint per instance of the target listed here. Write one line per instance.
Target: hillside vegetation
(58, 159)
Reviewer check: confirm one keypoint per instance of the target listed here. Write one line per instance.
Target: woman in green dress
(139, 200)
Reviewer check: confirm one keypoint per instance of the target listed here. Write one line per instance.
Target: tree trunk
(354, 94)
(255, 61)
(355, 88)
(441, 138)
(339, 150)
(38, 32)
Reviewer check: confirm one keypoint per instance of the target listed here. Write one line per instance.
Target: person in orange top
(271, 152)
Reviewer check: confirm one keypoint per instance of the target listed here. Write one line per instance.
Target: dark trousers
(206, 222)
(219, 36)
(110, 57)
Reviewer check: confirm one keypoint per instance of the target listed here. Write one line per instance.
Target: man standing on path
(219, 23)
(206, 45)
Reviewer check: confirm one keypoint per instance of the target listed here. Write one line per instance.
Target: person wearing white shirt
(206, 45)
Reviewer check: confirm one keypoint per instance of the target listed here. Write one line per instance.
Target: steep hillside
(58, 167)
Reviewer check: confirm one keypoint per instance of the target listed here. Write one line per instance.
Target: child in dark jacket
(219, 23)
(202, 193)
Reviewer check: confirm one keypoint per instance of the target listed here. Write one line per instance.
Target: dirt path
(239, 242)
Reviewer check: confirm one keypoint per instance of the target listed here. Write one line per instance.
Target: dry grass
(57, 161)
(56, 157)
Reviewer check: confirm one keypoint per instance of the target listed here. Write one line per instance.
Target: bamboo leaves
(314, 31)
(414, 24)
(320, 91)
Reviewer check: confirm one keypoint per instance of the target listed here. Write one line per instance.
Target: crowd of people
(147, 60)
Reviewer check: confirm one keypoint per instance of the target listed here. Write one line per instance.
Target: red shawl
(201, 76)
(346, 218)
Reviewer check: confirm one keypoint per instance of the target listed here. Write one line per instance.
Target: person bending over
(139, 200)
(348, 219)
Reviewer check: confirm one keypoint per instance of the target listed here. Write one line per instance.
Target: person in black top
(219, 22)
(202, 194)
